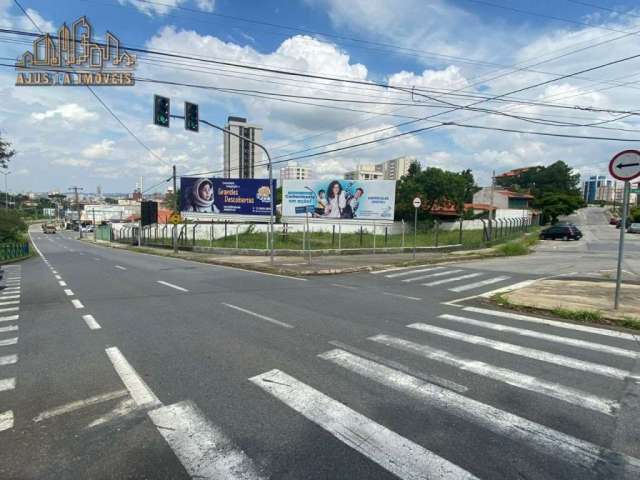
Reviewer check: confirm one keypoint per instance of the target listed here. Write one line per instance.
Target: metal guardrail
(11, 251)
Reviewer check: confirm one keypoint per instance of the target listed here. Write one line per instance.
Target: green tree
(6, 153)
(554, 205)
(12, 226)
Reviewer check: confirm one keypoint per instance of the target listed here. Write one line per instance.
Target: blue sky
(63, 136)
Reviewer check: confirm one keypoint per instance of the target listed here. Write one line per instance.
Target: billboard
(225, 196)
(339, 199)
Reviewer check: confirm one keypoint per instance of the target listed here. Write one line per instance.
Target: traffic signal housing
(161, 111)
(191, 117)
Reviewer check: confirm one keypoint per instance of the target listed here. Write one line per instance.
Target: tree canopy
(6, 153)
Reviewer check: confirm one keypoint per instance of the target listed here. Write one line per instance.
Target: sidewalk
(321, 265)
(575, 296)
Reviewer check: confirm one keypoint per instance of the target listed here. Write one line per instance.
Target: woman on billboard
(336, 200)
(201, 197)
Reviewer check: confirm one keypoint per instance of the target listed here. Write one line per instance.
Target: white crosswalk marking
(7, 384)
(554, 323)
(451, 280)
(516, 379)
(8, 359)
(431, 275)
(412, 272)
(10, 328)
(481, 283)
(8, 341)
(400, 456)
(562, 360)
(574, 451)
(9, 318)
(6, 420)
(599, 347)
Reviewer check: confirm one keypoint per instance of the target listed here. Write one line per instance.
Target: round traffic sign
(625, 165)
(417, 202)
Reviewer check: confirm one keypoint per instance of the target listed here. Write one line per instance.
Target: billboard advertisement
(339, 199)
(225, 196)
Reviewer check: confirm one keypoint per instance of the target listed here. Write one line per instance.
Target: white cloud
(71, 112)
(72, 162)
(154, 8)
(20, 21)
(206, 5)
(99, 150)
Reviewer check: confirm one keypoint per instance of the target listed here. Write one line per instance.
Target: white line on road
(397, 454)
(73, 406)
(54, 271)
(172, 286)
(263, 317)
(77, 303)
(482, 283)
(6, 420)
(7, 384)
(411, 272)
(571, 450)
(395, 269)
(139, 390)
(510, 377)
(450, 280)
(540, 355)
(431, 275)
(9, 318)
(68, 292)
(10, 302)
(508, 288)
(91, 322)
(599, 347)
(62, 283)
(9, 309)
(8, 360)
(9, 297)
(120, 267)
(96, 259)
(10, 328)
(553, 323)
(58, 277)
(203, 449)
(10, 290)
(340, 285)
(401, 296)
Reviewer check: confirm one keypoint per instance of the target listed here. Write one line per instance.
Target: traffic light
(191, 117)
(161, 111)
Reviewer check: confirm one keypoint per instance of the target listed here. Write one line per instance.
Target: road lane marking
(599, 347)
(77, 303)
(7, 384)
(451, 280)
(8, 341)
(62, 283)
(263, 317)
(340, 285)
(96, 259)
(6, 420)
(394, 453)
(10, 290)
(120, 267)
(54, 271)
(540, 355)
(10, 328)
(9, 309)
(172, 286)
(401, 296)
(481, 283)
(8, 360)
(577, 452)
(510, 377)
(396, 269)
(122, 409)
(203, 448)
(411, 272)
(9, 297)
(139, 390)
(9, 318)
(77, 405)
(69, 292)
(58, 277)
(431, 275)
(553, 323)
(91, 322)
(10, 302)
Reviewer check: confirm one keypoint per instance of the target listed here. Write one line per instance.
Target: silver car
(634, 228)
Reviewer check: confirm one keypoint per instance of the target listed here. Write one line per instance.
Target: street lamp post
(6, 190)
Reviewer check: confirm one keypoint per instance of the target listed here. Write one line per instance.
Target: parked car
(613, 221)
(565, 232)
(627, 223)
(634, 228)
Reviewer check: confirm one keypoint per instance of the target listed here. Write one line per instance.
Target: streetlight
(6, 189)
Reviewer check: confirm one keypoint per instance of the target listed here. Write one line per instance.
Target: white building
(365, 172)
(241, 156)
(295, 172)
(392, 169)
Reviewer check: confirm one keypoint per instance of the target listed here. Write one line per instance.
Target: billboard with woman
(225, 196)
(339, 199)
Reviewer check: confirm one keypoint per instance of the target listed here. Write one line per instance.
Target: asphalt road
(115, 364)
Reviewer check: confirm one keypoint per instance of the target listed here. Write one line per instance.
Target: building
(240, 156)
(396, 168)
(513, 173)
(295, 172)
(506, 204)
(592, 185)
(365, 172)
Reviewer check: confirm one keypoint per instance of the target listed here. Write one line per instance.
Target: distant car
(565, 232)
(88, 229)
(613, 221)
(634, 228)
(49, 228)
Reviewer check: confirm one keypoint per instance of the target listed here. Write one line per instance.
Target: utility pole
(75, 189)
(6, 190)
(491, 214)
(140, 223)
(175, 210)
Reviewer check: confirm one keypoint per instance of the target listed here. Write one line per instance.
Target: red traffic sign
(625, 165)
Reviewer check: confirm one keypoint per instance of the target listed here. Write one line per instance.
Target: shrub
(510, 249)
(12, 226)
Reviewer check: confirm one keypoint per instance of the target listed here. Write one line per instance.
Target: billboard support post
(308, 236)
(175, 209)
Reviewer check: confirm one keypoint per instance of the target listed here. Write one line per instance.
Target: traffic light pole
(273, 193)
(175, 209)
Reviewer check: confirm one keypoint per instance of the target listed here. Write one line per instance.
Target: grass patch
(512, 249)
(578, 315)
